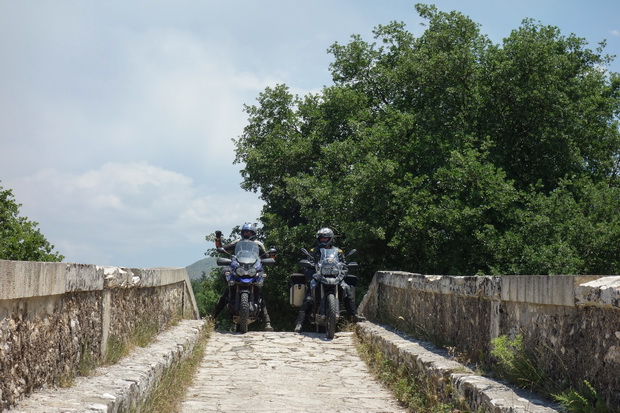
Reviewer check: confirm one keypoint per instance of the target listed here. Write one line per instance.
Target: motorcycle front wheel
(244, 312)
(331, 316)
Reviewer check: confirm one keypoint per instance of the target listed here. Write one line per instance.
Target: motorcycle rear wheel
(331, 316)
(244, 312)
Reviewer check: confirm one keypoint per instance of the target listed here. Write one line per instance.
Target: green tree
(550, 107)
(20, 239)
(446, 153)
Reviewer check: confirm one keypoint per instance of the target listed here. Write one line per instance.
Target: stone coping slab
(24, 279)
(480, 393)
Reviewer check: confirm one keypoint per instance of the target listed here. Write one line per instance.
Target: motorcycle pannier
(298, 289)
(351, 280)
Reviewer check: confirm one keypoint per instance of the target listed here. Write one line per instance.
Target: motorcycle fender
(238, 299)
(321, 315)
(325, 289)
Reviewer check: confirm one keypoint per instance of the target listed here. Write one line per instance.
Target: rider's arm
(218, 239)
(230, 248)
(316, 254)
(261, 249)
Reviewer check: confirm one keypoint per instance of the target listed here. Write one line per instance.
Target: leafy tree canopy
(20, 239)
(446, 153)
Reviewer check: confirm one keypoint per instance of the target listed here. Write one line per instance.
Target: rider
(248, 232)
(324, 239)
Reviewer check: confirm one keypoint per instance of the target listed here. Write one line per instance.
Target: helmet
(248, 231)
(324, 237)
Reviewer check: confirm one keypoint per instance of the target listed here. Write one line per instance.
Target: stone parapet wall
(570, 324)
(57, 318)
(126, 386)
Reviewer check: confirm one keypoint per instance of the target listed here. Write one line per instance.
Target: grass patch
(586, 400)
(144, 334)
(117, 349)
(415, 392)
(66, 379)
(141, 336)
(86, 364)
(88, 361)
(171, 390)
(515, 364)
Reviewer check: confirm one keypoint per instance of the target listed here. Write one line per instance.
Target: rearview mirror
(268, 261)
(223, 261)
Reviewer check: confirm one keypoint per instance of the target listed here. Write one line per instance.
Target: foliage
(207, 291)
(142, 335)
(514, 364)
(20, 239)
(586, 401)
(445, 153)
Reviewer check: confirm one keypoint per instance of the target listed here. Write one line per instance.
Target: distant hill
(204, 265)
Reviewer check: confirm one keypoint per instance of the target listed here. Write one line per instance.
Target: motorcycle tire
(331, 316)
(244, 312)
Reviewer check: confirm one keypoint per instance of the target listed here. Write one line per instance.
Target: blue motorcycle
(245, 276)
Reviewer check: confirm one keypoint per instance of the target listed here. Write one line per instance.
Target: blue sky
(117, 117)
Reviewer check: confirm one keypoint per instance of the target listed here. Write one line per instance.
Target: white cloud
(135, 212)
(164, 94)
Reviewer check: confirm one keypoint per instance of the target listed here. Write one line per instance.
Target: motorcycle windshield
(247, 252)
(328, 265)
(329, 256)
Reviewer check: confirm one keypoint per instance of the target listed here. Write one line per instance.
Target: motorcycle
(326, 287)
(245, 276)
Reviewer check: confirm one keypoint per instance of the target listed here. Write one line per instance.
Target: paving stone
(285, 372)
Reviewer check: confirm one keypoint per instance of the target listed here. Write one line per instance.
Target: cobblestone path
(285, 372)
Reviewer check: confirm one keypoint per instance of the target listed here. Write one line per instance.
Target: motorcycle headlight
(329, 270)
(246, 272)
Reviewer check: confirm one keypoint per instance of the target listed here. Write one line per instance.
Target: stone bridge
(53, 315)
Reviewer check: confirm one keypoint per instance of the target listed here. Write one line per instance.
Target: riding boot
(300, 320)
(348, 305)
(221, 304)
(267, 320)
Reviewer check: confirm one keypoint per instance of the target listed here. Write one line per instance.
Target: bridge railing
(570, 325)
(56, 317)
